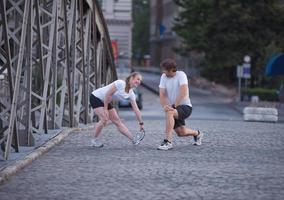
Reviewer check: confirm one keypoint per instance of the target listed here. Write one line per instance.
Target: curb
(151, 89)
(12, 169)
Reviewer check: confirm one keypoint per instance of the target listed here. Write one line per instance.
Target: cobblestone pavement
(238, 160)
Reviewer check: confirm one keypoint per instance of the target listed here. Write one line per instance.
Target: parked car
(122, 73)
(126, 103)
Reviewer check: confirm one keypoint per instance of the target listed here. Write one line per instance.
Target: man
(174, 98)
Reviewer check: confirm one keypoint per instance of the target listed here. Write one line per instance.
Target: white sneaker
(197, 139)
(166, 145)
(138, 137)
(96, 143)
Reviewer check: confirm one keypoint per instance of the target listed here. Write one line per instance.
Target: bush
(262, 93)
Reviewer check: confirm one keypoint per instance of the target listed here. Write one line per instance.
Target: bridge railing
(53, 54)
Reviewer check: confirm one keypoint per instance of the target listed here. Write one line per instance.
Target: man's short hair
(169, 64)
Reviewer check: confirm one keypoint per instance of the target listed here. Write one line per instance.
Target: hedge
(262, 93)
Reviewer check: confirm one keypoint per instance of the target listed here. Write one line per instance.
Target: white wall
(118, 15)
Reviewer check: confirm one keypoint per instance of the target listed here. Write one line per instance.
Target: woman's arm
(108, 96)
(137, 114)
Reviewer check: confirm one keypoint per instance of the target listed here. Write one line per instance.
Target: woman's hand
(141, 126)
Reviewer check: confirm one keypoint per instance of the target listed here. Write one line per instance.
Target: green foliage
(262, 93)
(227, 30)
(141, 26)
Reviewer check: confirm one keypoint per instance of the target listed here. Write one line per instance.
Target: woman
(100, 101)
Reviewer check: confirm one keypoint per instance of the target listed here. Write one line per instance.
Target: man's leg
(171, 114)
(170, 122)
(184, 131)
(180, 128)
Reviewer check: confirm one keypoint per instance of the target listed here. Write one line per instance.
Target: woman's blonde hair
(127, 80)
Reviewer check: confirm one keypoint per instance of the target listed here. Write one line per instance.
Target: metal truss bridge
(53, 53)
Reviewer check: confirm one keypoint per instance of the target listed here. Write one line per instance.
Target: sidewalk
(26, 155)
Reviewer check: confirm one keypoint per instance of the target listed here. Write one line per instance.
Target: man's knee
(179, 131)
(179, 134)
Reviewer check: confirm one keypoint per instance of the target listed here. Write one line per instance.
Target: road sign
(246, 70)
(239, 71)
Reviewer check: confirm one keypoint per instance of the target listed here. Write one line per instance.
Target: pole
(239, 88)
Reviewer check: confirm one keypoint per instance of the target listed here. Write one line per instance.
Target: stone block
(261, 114)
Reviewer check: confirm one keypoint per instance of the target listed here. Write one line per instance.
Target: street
(238, 160)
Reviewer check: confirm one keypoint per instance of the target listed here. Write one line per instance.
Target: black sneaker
(197, 139)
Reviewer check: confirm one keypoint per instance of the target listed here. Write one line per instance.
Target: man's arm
(163, 97)
(183, 92)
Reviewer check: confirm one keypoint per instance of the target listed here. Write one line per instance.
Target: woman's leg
(102, 121)
(118, 123)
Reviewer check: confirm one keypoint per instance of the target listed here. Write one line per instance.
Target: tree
(226, 30)
(141, 25)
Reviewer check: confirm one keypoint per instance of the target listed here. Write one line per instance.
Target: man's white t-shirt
(172, 86)
(120, 94)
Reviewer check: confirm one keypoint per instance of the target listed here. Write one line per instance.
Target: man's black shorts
(184, 111)
(96, 102)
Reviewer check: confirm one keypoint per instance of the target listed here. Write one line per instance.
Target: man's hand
(168, 108)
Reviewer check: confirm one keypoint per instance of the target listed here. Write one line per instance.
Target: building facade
(163, 40)
(118, 16)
